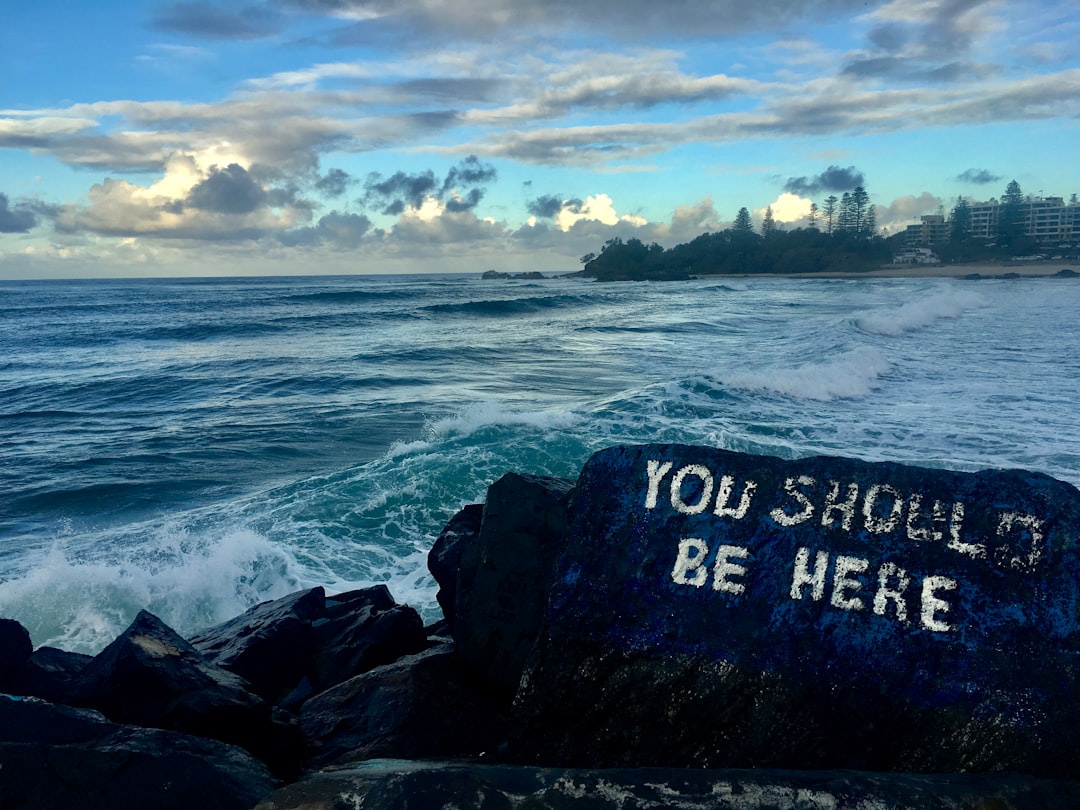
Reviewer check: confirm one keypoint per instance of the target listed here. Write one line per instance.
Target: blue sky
(327, 136)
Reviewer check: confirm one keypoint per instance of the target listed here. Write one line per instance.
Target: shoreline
(1043, 269)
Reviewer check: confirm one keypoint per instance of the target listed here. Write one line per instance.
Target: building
(1049, 220)
(930, 230)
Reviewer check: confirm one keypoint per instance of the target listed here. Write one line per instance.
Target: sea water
(196, 446)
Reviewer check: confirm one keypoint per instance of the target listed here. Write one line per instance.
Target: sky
(264, 137)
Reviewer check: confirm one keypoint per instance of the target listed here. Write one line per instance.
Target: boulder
(51, 674)
(269, 645)
(56, 757)
(444, 559)
(503, 575)
(293, 647)
(15, 651)
(716, 609)
(424, 705)
(390, 785)
(150, 676)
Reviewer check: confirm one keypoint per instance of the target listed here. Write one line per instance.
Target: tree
(742, 222)
(860, 203)
(960, 222)
(830, 212)
(813, 217)
(844, 214)
(870, 222)
(768, 224)
(1011, 215)
(588, 257)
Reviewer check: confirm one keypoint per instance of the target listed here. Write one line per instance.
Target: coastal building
(1050, 221)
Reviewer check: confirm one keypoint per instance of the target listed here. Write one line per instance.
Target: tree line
(840, 236)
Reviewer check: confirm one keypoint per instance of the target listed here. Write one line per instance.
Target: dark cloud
(398, 192)
(340, 230)
(231, 190)
(19, 219)
(394, 24)
(460, 190)
(207, 21)
(930, 49)
(978, 176)
(833, 178)
(334, 183)
(545, 206)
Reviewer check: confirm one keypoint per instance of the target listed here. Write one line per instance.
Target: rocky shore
(680, 627)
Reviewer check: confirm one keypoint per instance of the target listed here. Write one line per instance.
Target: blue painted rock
(715, 609)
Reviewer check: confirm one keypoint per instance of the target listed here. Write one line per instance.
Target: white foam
(914, 315)
(489, 413)
(853, 373)
(66, 598)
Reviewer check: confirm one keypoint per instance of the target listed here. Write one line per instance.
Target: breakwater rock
(681, 627)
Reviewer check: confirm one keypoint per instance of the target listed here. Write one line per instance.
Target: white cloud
(787, 207)
(597, 207)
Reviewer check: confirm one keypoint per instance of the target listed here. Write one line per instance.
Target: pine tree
(813, 217)
(844, 214)
(768, 224)
(1011, 215)
(830, 212)
(960, 221)
(742, 222)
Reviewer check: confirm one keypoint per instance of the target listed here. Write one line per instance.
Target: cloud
(547, 206)
(906, 210)
(460, 190)
(334, 183)
(211, 22)
(338, 230)
(231, 190)
(833, 178)
(787, 207)
(597, 207)
(978, 176)
(19, 219)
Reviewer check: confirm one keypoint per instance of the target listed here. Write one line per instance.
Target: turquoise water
(196, 446)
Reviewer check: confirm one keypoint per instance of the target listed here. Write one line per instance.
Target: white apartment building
(1049, 220)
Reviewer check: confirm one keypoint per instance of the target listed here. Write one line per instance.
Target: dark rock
(730, 610)
(299, 645)
(51, 674)
(1066, 272)
(444, 559)
(425, 705)
(56, 758)
(531, 275)
(493, 274)
(504, 576)
(150, 676)
(364, 636)
(15, 651)
(269, 645)
(391, 785)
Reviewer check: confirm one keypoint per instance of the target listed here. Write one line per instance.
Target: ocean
(195, 446)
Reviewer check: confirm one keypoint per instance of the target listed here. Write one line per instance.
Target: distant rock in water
(495, 274)
(1066, 272)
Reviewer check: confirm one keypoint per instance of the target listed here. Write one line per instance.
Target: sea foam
(920, 313)
(852, 373)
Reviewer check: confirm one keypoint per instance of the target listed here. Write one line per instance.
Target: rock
(504, 575)
(1066, 272)
(726, 610)
(270, 645)
(363, 630)
(394, 784)
(51, 674)
(55, 758)
(444, 559)
(150, 676)
(299, 645)
(15, 651)
(425, 705)
(493, 274)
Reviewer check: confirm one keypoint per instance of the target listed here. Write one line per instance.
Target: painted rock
(715, 609)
